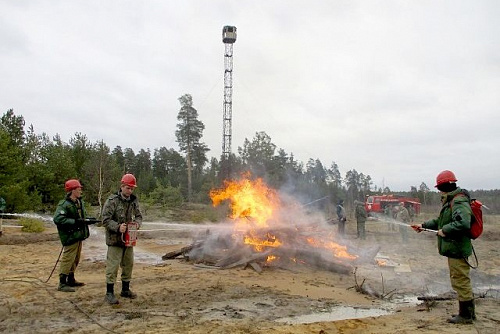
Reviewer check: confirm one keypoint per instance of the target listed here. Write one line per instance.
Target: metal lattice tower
(228, 38)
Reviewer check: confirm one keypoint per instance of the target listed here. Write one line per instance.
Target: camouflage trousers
(460, 279)
(119, 257)
(70, 258)
(361, 229)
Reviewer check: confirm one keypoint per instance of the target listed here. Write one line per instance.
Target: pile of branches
(224, 250)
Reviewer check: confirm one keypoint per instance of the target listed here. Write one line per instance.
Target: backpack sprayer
(129, 238)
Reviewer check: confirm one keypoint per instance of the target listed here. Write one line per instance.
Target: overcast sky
(398, 90)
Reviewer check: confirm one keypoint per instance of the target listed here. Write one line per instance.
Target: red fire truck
(380, 203)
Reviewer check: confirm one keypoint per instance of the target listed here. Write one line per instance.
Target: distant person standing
(360, 219)
(411, 211)
(403, 216)
(453, 226)
(388, 215)
(341, 216)
(72, 228)
(119, 210)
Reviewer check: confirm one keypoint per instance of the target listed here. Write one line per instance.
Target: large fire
(254, 207)
(250, 200)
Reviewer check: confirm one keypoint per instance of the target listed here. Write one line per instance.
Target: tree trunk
(189, 171)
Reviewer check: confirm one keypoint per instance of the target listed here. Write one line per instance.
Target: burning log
(217, 250)
(321, 260)
(245, 260)
(234, 255)
(183, 251)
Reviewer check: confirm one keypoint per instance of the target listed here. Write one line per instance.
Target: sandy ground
(175, 296)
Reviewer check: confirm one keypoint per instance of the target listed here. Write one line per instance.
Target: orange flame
(259, 243)
(338, 250)
(271, 258)
(254, 206)
(248, 199)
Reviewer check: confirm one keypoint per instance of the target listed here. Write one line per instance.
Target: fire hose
(316, 200)
(428, 230)
(88, 221)
(403, 224)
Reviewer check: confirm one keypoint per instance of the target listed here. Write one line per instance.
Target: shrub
(32, 225)
(166, 196)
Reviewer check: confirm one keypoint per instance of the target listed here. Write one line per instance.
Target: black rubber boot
(72, 281)
(466, 313)
(110, 294)
(63, 284)
(126, 291)
(472, 309)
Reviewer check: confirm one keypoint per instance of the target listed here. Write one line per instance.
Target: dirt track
(178, 297)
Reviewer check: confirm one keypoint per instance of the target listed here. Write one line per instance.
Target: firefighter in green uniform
(360, 219)
(388, 213)
(403, 216)
(120, 209)
(453, 225)
(73, 229)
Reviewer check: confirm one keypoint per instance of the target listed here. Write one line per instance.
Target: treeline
(34, 167)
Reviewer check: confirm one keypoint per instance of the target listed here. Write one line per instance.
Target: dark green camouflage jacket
(360, 212)
(454, 219)
(118, 210)
(65, 217)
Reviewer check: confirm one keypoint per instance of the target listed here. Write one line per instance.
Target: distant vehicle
(379, 203)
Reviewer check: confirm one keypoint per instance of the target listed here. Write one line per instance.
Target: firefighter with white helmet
(120, 210)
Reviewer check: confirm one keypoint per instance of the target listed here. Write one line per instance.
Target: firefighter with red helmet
(120, 210)
(73, 229)
(453, 226)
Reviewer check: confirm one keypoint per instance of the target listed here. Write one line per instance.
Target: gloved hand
(91, 220)
(417, 227)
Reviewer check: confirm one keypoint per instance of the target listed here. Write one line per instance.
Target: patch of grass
(31, 225)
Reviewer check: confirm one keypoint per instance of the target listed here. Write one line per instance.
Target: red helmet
(72, 185)
(129, 180)
(445, 177)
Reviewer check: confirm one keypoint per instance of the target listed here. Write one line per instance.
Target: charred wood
(243, 261)
(256, 267)
(182, 251)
